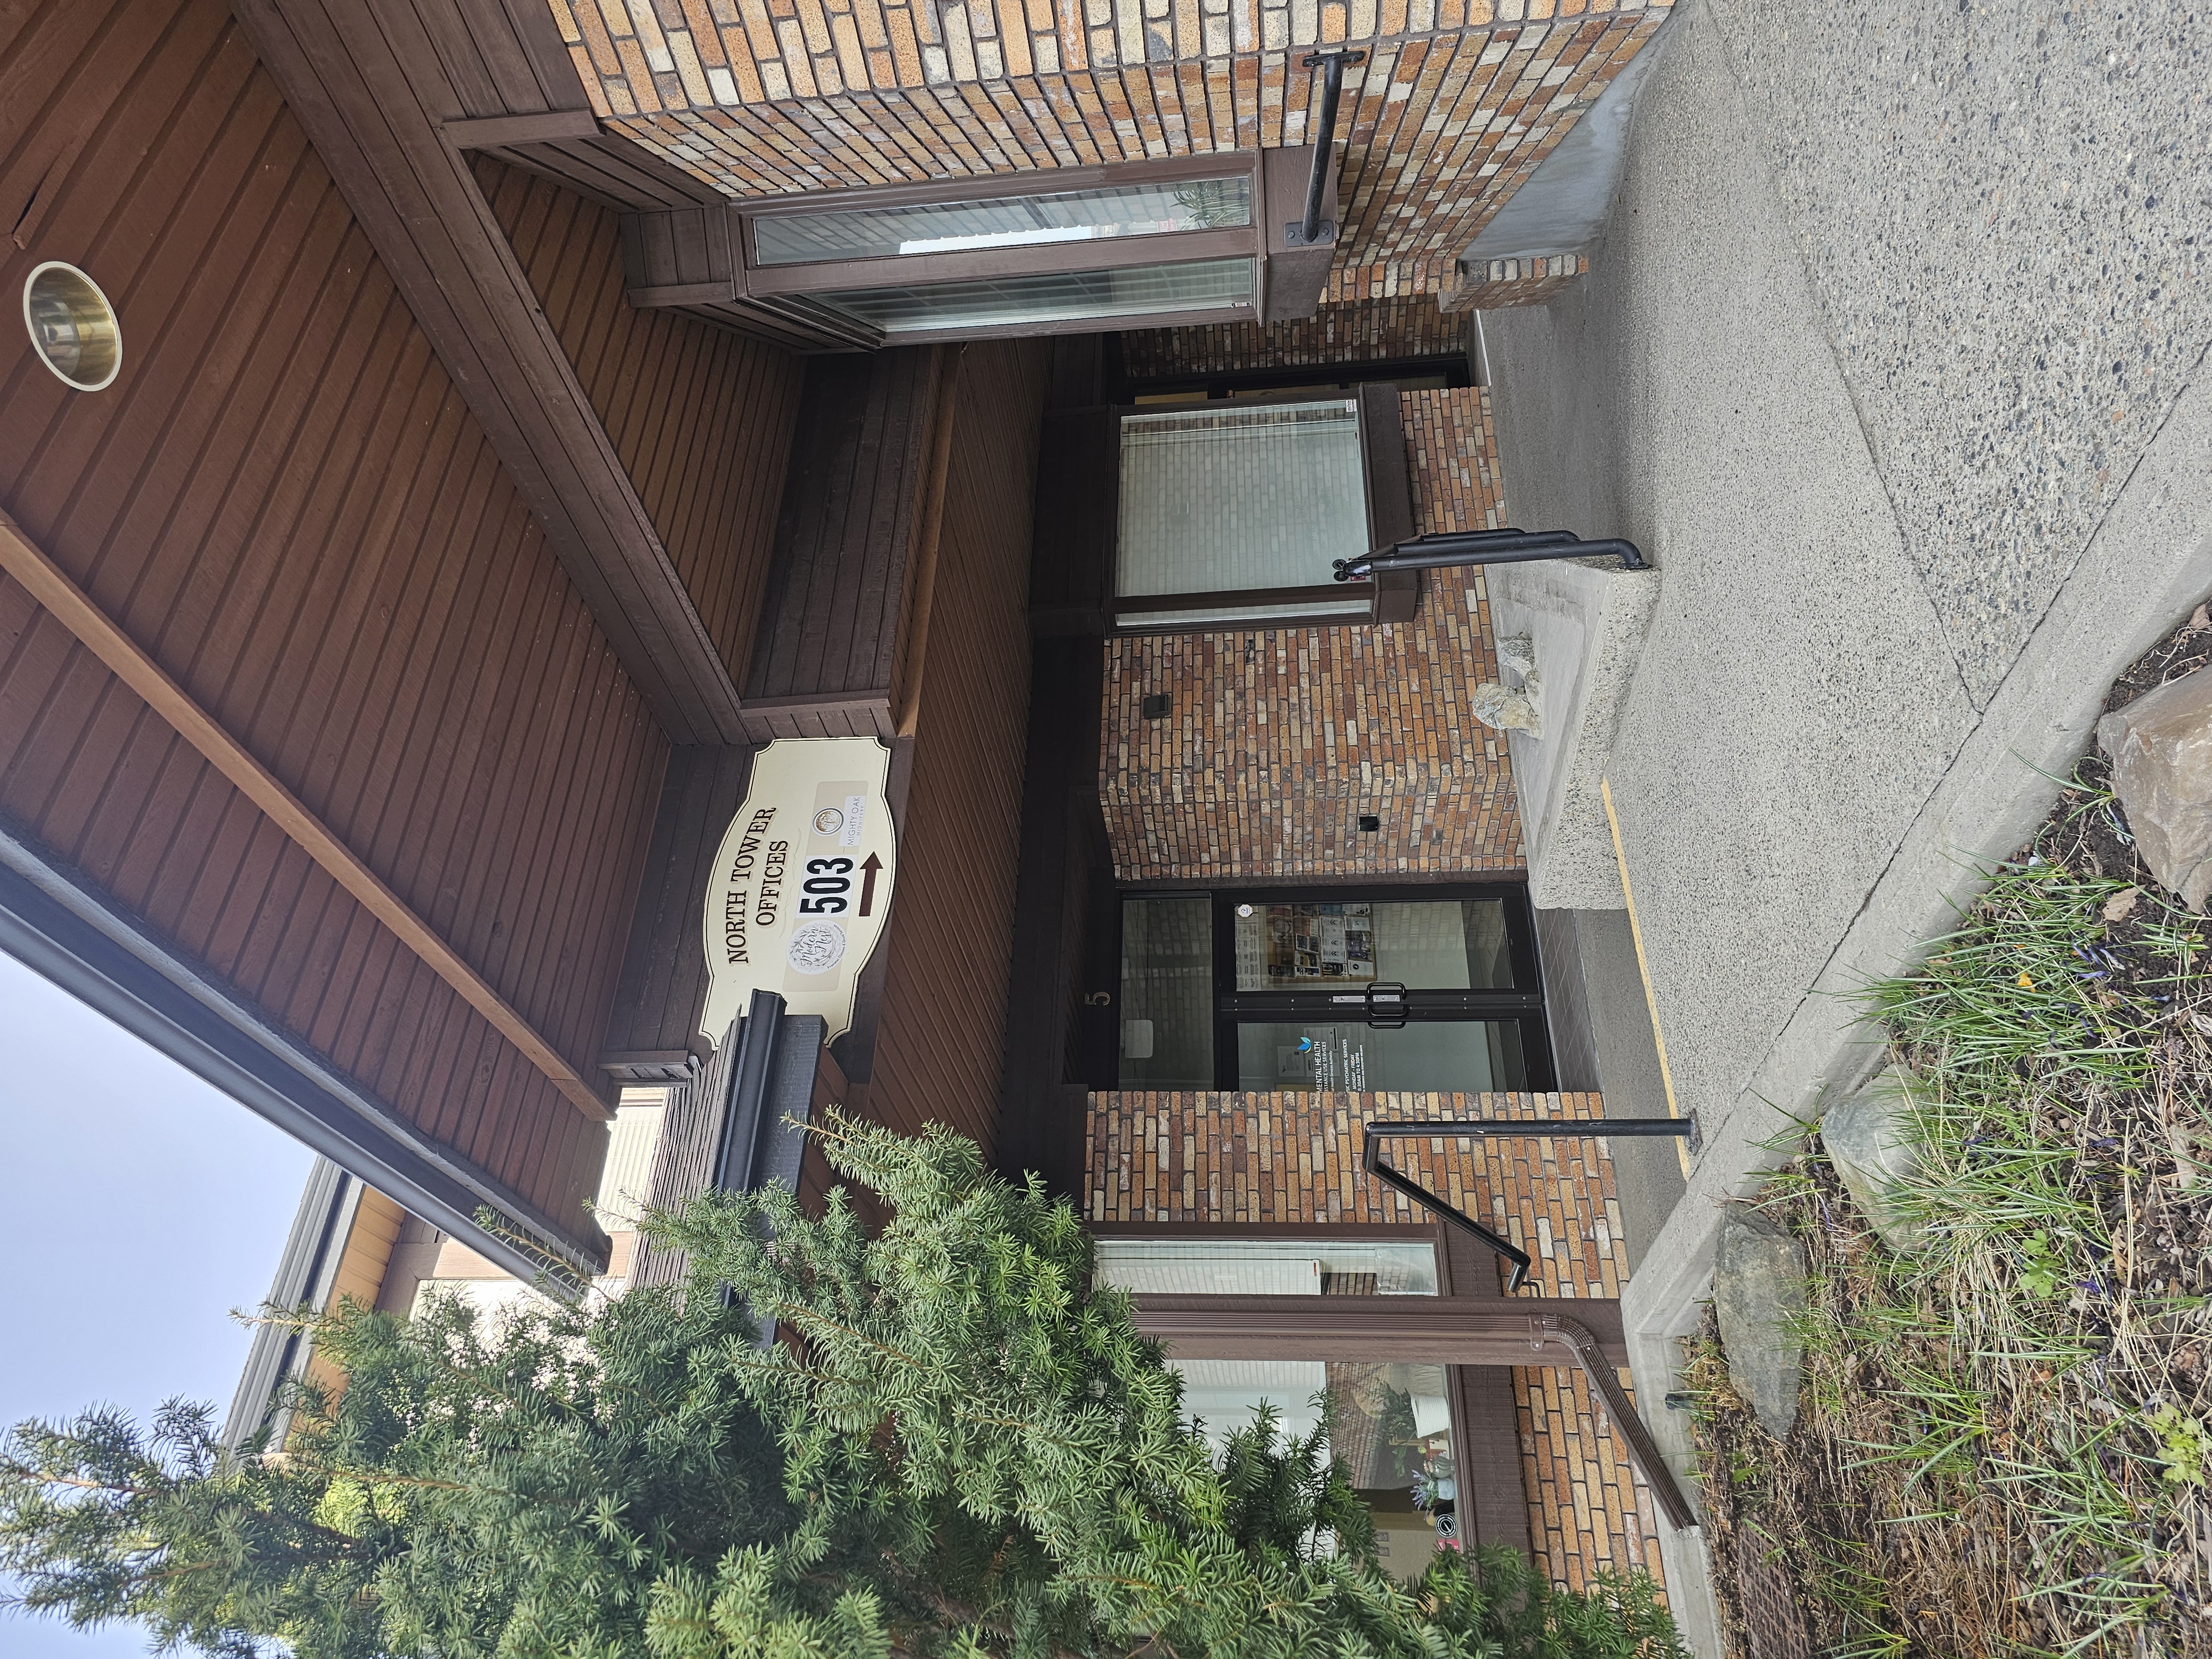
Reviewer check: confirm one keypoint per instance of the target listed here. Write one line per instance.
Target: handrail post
(1307, 233)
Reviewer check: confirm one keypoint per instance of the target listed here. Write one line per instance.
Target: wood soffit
(69, 605)
(374, 81)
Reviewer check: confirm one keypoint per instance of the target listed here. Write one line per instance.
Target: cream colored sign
(802, 882)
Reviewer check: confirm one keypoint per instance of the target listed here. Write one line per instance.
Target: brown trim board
(69, 605)
(1432, 1330)
(372, 91)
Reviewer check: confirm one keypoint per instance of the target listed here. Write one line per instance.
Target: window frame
(817, 280)
(1488, 1464)
(1386, 503)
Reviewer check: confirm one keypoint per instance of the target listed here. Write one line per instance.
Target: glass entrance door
(1333, 990)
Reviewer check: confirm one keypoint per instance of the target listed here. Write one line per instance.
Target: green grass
(1999, 1451)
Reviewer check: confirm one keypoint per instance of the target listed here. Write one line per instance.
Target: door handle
(1392, 992)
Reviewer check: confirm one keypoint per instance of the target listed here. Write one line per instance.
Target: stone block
(1871, 1140)
(2161, 747)
(1759, 1295)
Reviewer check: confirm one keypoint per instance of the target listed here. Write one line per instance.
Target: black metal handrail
(1378, 1132)
(1643, 1451)
(1460, 547)
(1307, 233)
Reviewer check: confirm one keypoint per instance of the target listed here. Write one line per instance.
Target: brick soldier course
(1360, 332)
(1494, 284)
(1294, 1157)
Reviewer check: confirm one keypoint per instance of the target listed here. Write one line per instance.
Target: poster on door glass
(1320, 942)
(1318, 1057)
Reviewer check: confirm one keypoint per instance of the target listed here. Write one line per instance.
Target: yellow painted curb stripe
(1643, 963)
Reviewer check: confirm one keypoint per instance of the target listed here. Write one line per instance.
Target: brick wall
(1363, 331)
(1278, 738)
(1452, 457)
(1251, 1157)
(1495, 284)
(1458, 102)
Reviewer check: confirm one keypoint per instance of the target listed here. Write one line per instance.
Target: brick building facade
(676, 494)
(1257, 1159)
(1279, 740)
(1457, 102)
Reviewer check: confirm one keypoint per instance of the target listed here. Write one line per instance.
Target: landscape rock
(1871, 1140)
(1759, 1295)
(1504, 708)
(2161, 747)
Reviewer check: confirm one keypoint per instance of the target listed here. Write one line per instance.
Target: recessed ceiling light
(73, 328)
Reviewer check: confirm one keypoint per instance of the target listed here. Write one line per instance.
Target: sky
(144, 1206)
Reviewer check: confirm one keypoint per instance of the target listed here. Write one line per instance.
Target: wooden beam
(496, 132)
(68, 604)
(915, 646)
(370, 85)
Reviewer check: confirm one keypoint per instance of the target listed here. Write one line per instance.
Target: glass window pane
(1321, 1265)
(1154, 209)
(1467, 1057)
(1390, 1421)
(1432, 945)
(1214, 500)
(1390, 1427)
(1167, 994)
(1053, 297)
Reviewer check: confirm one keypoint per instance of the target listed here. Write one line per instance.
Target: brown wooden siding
(701, 418)
(286, 503)
(834, 620)
(655, 1027)
(939, 1040)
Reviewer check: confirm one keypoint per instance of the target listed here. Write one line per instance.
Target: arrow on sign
(868, 883)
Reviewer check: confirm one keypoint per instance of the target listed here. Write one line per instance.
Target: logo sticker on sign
(802, 882)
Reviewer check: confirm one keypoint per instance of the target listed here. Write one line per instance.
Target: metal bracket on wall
(1378, 1131)
(1643, 1451)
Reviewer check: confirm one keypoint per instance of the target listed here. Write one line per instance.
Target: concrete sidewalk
(1893, 359)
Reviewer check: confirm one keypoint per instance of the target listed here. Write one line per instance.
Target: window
(1353, 990)
(1186, 240)
(1233, 514)
(1390, 1419)
(1005, 221)
(1004, 302)
(1218, 514)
